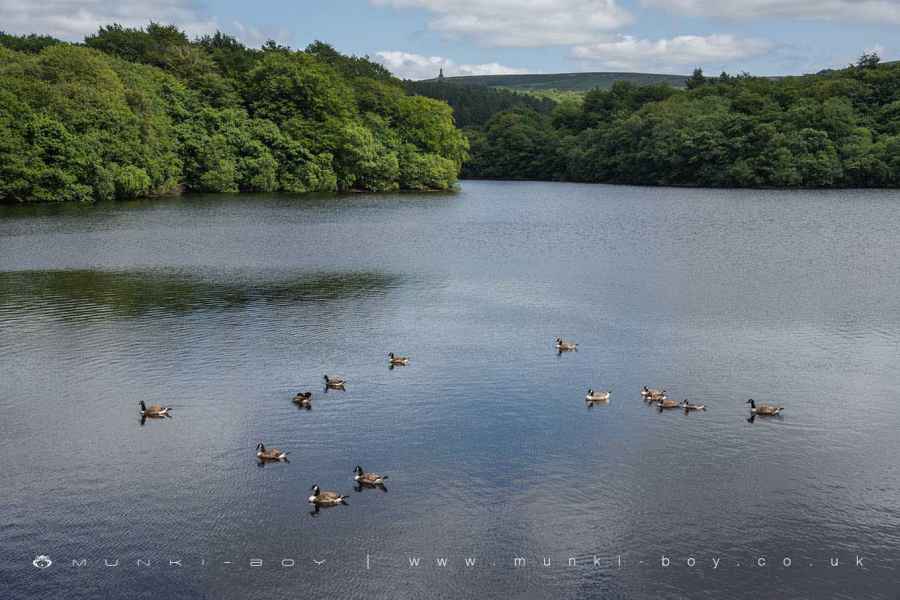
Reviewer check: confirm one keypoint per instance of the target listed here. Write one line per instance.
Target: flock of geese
(659, 398)
(321, 497)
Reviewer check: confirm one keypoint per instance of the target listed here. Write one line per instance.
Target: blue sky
(414, 37)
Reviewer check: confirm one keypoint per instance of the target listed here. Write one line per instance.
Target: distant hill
(474, 105)
(583, 82)
(573, 82)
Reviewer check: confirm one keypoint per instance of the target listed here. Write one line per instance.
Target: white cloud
(879, 11)
(626, 52)
(415, 66)
(521, 23)
(74, 19)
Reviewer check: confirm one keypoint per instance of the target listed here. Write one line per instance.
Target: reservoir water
(225, 306)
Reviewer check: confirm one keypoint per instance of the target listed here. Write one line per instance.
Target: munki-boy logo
(665, 562)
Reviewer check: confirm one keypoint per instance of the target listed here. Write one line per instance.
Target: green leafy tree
(868, 60)
(697, 79)
(142, 111)
(286, 85)
(31, 43)
(836, 128)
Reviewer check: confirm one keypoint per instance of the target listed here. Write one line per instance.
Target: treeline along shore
(837, 128)
(133, 113)
(137, 112)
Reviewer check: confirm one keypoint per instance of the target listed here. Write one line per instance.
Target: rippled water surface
(224, 307)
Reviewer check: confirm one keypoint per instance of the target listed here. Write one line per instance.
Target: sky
(414, 38)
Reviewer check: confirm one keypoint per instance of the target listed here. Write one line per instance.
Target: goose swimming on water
(764, 410)
(397, 361)
(666, 403)
(650, 392)
(154, 411)
(336, 383)
(593, 396)
(364, 478)
(564, 346)
(320, 498)
(656, 396)
(269, 454)
(303, 399)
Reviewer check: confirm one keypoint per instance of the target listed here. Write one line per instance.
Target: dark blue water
(225, 307)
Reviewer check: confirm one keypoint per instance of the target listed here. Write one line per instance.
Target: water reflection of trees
(138, 292)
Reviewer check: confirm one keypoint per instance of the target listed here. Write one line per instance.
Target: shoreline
(455, 190)
(189, 194)
(677, 185)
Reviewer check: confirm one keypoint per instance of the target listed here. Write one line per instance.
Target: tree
(868, 60)
(27, 43)
(143, 111)
(836, 128)
(697, 79)
(286, 85)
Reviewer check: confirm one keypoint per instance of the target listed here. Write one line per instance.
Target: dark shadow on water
(360, 487)
(145, 418)
(194, 203)
(316, 509)
(133, 293)
(752, 418)
(262, 462)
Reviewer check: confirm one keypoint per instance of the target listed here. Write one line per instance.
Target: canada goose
(656, 396)
(688, 406)
(593, 396)
(666, 403)
(647, 392)
(320, 498)
(764, 410)
(564, 346)
(364, 478)
(398, 361)
(272, 454)
(334, 382)
(303, 399)
(154, 410)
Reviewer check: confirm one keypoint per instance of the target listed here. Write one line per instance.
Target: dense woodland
(137, 112)
(835, 128)
(474, 105)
